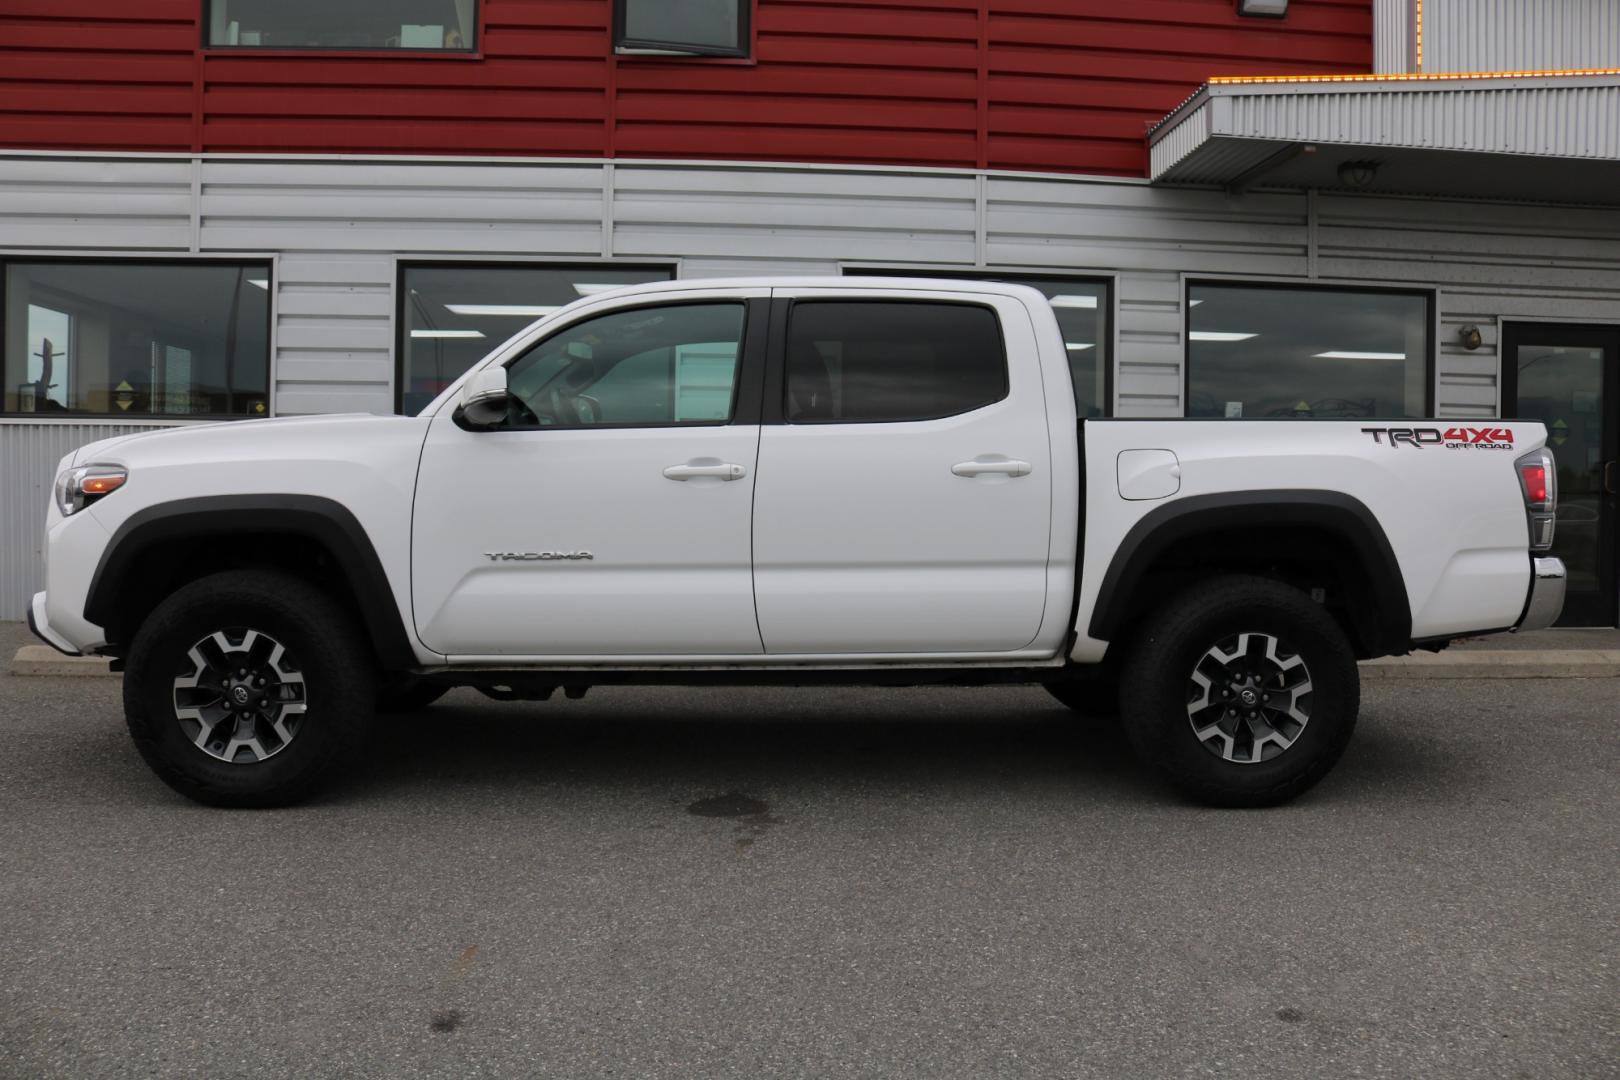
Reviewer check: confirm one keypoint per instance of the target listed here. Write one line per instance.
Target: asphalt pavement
(820, 883)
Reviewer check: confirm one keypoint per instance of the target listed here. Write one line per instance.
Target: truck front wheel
(247, 688)
(1241, 691)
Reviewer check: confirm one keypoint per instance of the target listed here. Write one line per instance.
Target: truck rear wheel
(1241, 692)
(247, 688)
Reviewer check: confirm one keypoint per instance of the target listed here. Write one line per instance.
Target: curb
(44, 660)
(1497, 664)
(1462, 664)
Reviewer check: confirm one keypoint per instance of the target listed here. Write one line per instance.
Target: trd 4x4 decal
(1453, 438)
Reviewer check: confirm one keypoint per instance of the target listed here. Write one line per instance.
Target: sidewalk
(1544, 654)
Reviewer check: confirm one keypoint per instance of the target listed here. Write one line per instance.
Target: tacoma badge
(535, 556)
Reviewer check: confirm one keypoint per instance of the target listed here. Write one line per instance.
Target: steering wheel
(587, 409)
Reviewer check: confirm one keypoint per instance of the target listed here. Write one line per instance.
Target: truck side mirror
(483, 399)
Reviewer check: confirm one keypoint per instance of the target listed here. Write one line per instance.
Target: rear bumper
(1547, 581)
(39, 622)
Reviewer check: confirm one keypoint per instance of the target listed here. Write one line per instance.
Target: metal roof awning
(1541, 136)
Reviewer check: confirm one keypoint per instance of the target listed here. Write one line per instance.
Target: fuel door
(1148, 474)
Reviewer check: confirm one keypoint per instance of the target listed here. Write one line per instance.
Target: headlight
(78, 488)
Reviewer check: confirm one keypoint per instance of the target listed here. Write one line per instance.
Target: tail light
(1538, 478)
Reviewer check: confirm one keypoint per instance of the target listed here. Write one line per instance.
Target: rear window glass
(879, 361)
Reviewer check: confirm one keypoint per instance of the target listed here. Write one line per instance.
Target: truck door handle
(724, 470)
(980, 468)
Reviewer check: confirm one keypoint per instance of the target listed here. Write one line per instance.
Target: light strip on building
(1219, 335)
(1068, 300)
(447, 333)
(1348, 354)
(500, 309)
(1419, 76)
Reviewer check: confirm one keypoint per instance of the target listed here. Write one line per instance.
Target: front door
(610, 514)
(905, 497)
(1568, 377)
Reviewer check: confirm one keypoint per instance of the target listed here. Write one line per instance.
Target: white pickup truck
(801, 482)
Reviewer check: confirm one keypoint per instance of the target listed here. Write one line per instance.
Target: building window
(688, 28)
(1084, 311)
(875, 361)
(1303, 351)
(436, 25)
(130, 338)
(452, 315)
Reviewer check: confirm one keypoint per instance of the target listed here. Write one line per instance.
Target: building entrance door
(1568, 377)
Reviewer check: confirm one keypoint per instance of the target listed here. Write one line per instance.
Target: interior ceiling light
(1220, 335)
(447, 333)
(1271, 9)
(1068, 300)
(1351, 354)
(500, 309)
(1077, 346)
(590, 289)
(263, 283)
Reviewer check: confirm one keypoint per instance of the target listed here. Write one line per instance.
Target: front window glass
(346, 24)
(654, 366)
(137, 339)
(1274, 350)
(454, 315)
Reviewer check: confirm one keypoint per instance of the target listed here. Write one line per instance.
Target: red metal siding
(1067, 85)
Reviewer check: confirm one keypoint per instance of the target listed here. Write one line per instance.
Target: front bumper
(1547, 581)
(39, 622)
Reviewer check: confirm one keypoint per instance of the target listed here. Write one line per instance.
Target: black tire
(1095, 697)
(1194, 631)
(326, 665)
(407, 694)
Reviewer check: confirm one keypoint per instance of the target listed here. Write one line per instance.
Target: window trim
(776, 389)
(624, 45)
(476, 52)
(269, 263)
(405, 263)
(1430, 295)
(750, 343)
(1108, 279)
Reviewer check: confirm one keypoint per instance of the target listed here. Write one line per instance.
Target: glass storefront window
(1083, 308)
(438, 25)
(137, 338)
(1280, 351)
(454, 314)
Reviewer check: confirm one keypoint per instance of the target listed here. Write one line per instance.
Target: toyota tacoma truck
(800, 482)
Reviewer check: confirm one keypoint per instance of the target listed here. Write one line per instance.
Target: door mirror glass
(483, 398)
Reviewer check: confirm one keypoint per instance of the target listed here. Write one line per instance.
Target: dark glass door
(1567, 377)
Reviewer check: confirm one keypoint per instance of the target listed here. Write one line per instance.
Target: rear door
(904, 499)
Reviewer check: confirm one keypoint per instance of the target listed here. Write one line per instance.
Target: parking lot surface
(752, 883)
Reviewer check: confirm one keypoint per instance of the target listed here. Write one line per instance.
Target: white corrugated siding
(1519, 35)
(29, 451)
(1393, 36)
(1563, 119)
(337, 227)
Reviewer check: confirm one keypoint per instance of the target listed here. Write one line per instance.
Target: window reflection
(352, 24)
(1279, 351)
(137, 339)
(455, 314)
